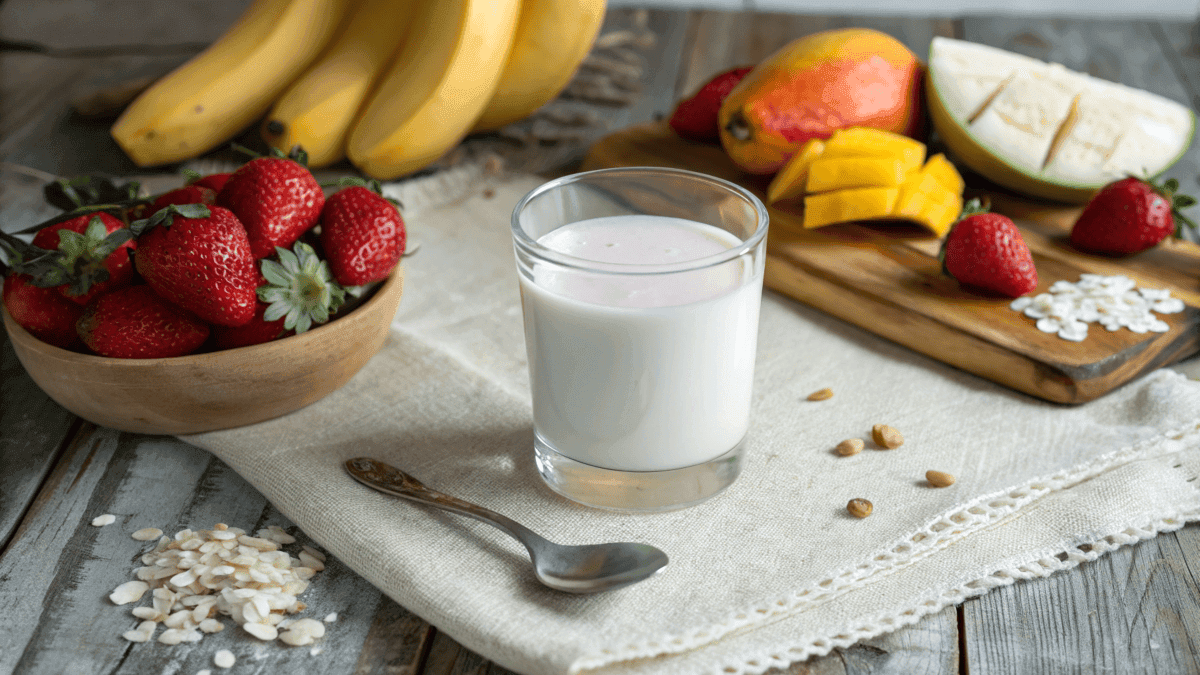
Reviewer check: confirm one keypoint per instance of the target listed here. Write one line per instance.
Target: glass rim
(530, 245)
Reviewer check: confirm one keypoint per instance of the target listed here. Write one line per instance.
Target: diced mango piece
(925, 200)
(868, 142)
(791, 179)
(839, 173)
(846, 205)
(945, 173)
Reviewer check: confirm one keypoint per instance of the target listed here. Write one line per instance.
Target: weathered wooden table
(1136, 610)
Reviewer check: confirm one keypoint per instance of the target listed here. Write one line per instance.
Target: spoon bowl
(573, 569)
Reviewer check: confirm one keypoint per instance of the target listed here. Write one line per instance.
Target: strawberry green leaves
(165, 216)
(300, 288)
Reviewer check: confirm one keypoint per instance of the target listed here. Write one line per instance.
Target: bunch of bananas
(390, 84)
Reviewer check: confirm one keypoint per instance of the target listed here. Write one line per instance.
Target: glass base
(636, 491)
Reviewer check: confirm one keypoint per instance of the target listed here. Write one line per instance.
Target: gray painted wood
(1136, 610)
(132, 26)
(57, 573)
(32, 429)
(1138, 604)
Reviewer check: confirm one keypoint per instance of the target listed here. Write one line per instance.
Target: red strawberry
(188, 194)
(986, 250)
(91, 265)
(363, 236)
(135, 323)
(44, 312)
(696, 118)
(213, 181)
(1130, 215)
(198, 257)
(276, 199)
(258, 331)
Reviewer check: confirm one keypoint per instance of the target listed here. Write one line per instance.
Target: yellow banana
(436, 88)
(553, 37)
(316, 110)
(212, 97)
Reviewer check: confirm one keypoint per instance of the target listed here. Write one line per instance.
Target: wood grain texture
(886, 278)
(56, 575)
(1135, 610)
(132, 25)
(32, 430)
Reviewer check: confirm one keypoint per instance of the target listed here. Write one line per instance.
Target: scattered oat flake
(224, 659)
(1114, 302)
(147, 533)
(206, 671)
(106, 519)
(331, 617)
(130, 591)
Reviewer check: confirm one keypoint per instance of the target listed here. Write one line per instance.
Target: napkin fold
(770, 572)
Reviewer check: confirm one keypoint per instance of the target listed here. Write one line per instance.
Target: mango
(926, 200)
(791, 179)
(815, 85)
(867, 142)
(842, 206)
(945, 173)
(838, 173)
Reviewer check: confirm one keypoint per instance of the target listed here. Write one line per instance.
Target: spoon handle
(390, 480)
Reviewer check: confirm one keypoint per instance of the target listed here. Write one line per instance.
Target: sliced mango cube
(868, 142)
(845, 205)
(791, 179)
(925, 200)
(945, 173)
(840, 173)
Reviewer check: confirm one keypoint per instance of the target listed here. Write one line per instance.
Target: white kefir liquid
(642, 372)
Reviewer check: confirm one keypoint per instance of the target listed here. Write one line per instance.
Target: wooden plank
(130, 25)
(886, 278)
(1135, 610)
(723, 40)
(32, 430)
(397, 643)
(37, 127)
(447, 657)
(57, 573)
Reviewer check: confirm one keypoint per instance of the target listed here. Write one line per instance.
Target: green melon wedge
(1046, 131)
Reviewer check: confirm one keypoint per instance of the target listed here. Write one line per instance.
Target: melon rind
(1119, 130)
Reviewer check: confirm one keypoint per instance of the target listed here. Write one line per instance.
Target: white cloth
(770, 572)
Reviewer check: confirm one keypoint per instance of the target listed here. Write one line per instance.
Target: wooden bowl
(217, 390)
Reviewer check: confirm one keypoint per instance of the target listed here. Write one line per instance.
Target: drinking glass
(640, 365)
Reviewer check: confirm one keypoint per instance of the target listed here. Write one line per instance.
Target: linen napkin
(770, 572)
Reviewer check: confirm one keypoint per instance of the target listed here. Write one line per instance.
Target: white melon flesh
(1046, 130)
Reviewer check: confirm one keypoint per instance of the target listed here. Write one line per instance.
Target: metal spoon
(574, 569)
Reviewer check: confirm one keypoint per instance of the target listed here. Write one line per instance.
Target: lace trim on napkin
(941, 532)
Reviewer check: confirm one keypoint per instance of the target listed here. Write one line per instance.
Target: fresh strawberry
(136, 323)
(91, 264)
(188, 194)
(213, 181)
(986, 250)
(44, 312)
(258, 331)
(276, 199)
(362, 235)
(696, 118)
(1130, 215)
(198, 257)
(301, 290)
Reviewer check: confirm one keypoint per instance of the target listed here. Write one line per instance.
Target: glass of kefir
(640, 289)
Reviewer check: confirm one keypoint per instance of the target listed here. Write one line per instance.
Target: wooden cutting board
(885, 278)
